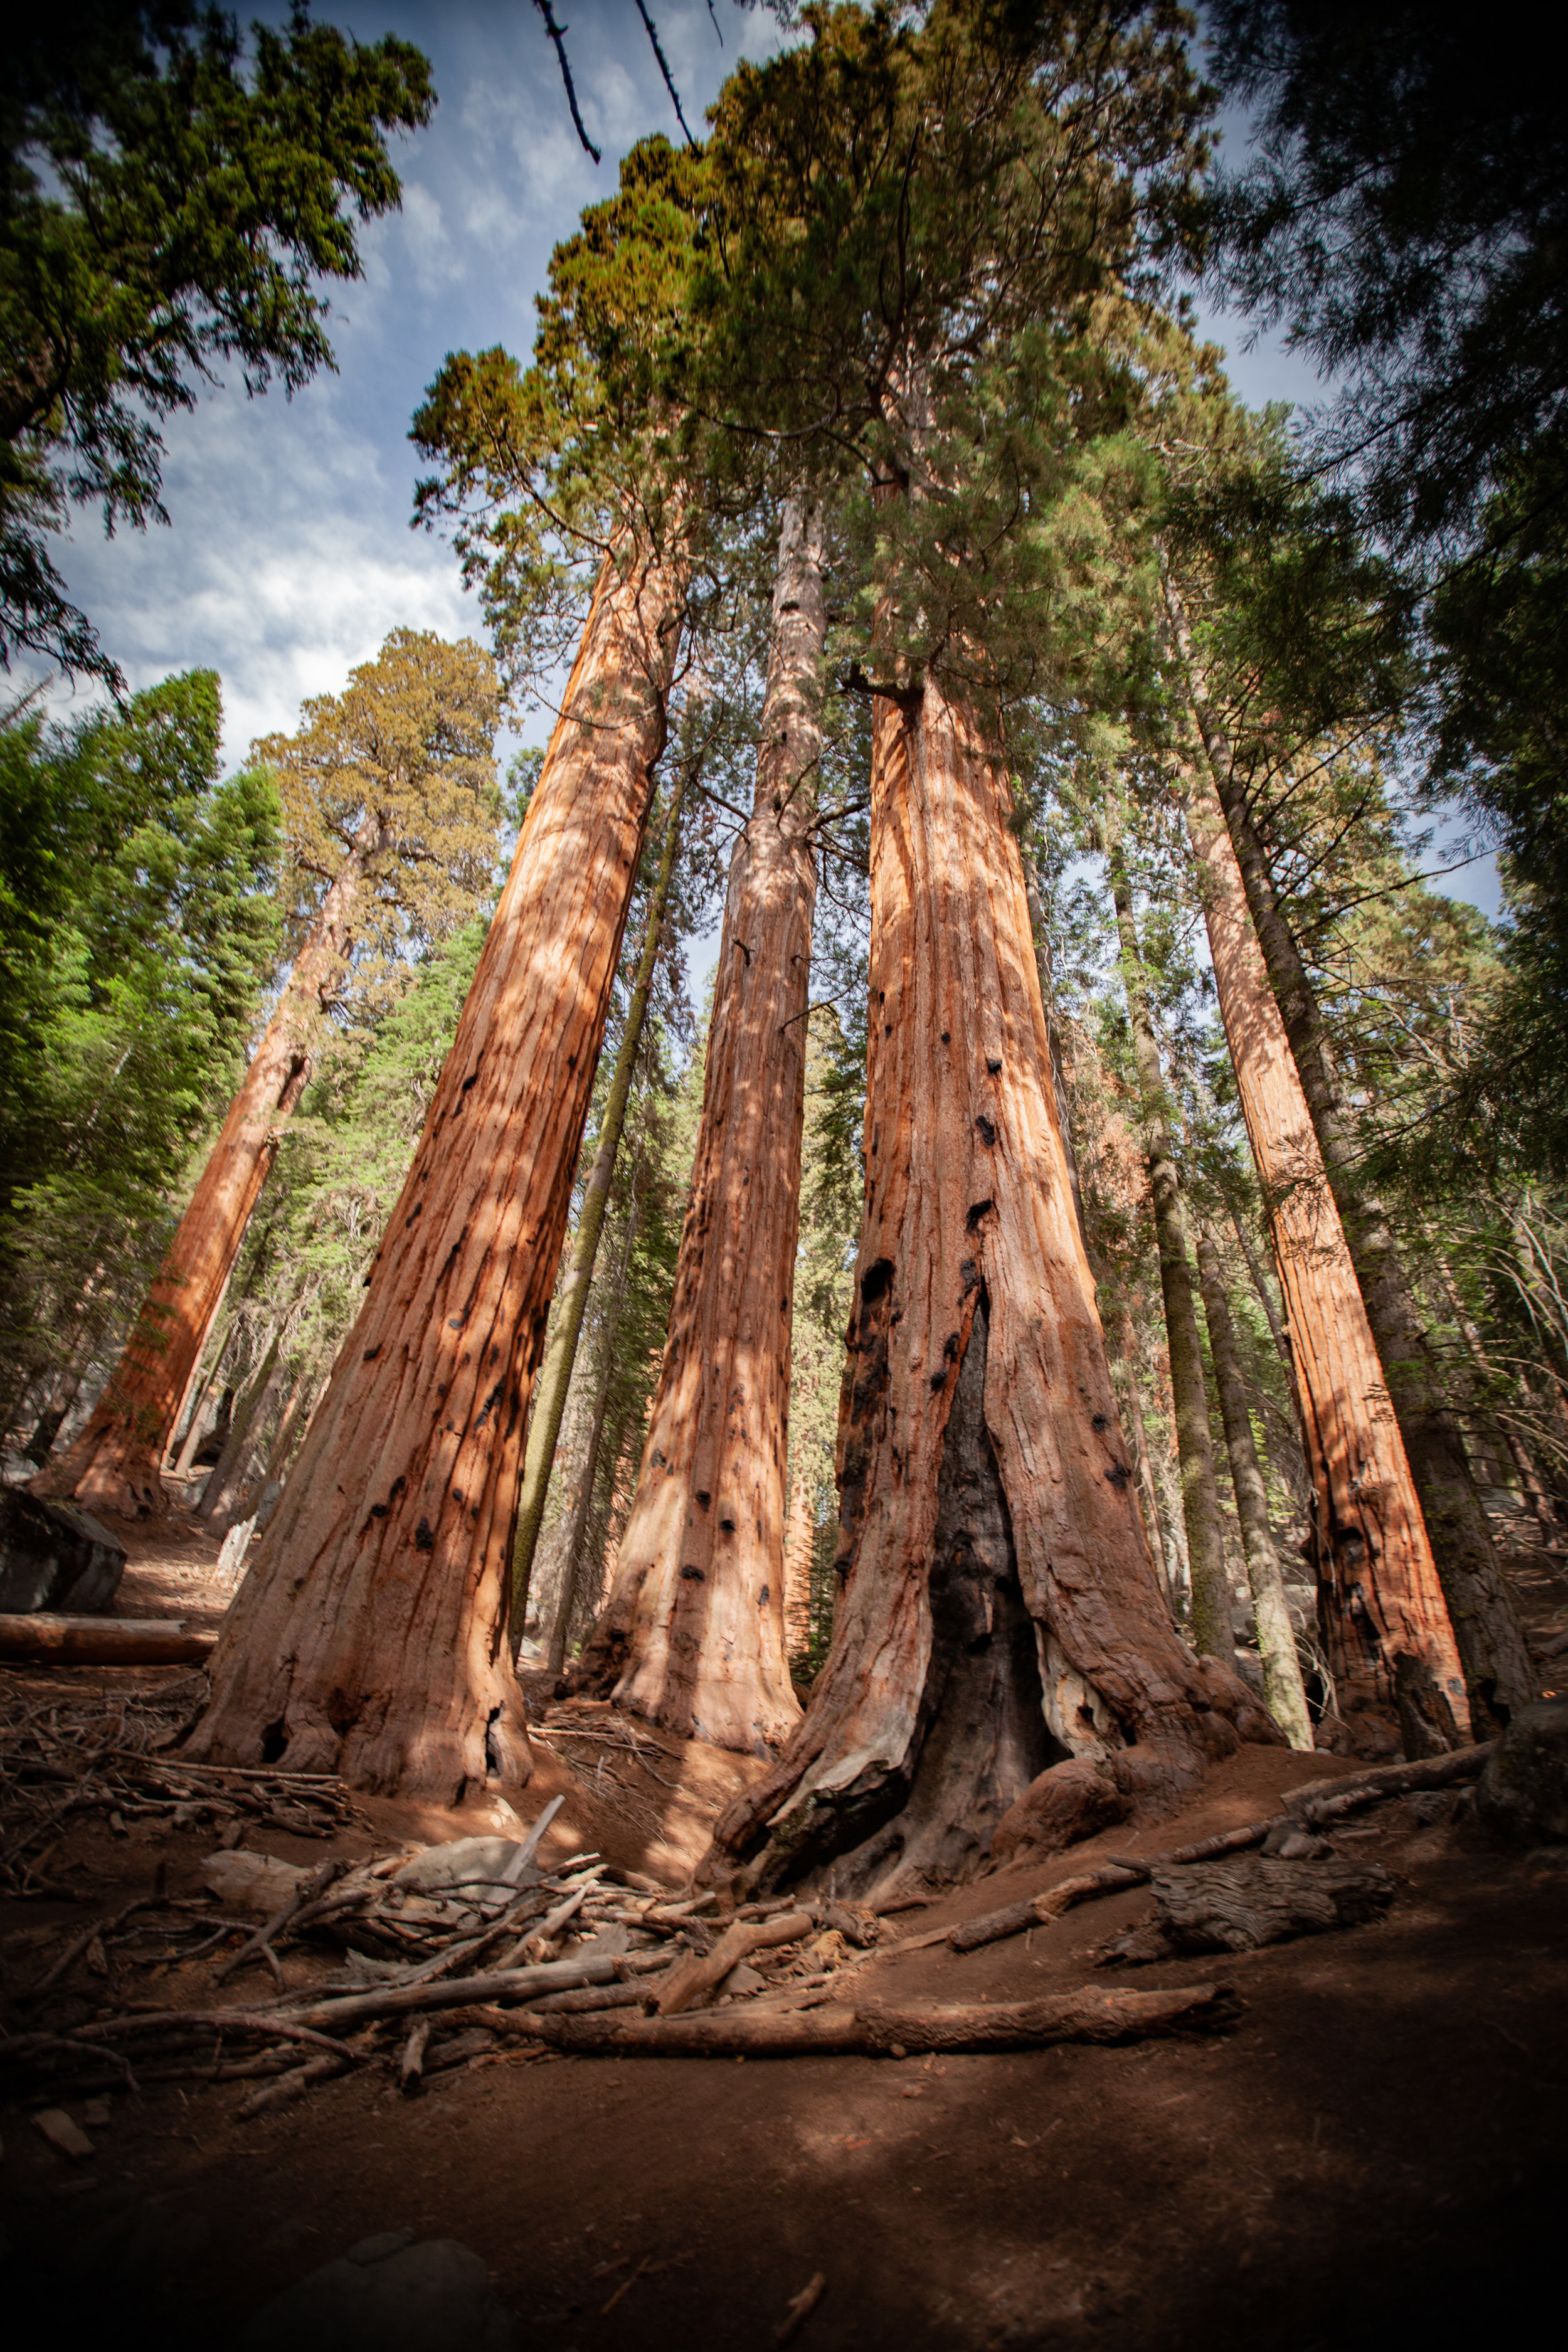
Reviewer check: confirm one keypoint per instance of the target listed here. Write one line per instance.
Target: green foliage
(168, 202)
(137, 927)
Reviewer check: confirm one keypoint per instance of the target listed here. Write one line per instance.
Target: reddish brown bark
(999, 1611)
(692, 1634)
(800, 1539)
(1385, 1622)
(369, 1636)
(115, 1463)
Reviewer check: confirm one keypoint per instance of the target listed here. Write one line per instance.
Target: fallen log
(836, 2030)
(689, 1981)
(38, 1639)
(1322, 1801)
(1112, 1877)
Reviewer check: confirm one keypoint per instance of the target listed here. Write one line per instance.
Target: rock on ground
(388, 2294)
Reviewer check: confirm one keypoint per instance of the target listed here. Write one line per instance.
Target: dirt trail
(1373, 2154)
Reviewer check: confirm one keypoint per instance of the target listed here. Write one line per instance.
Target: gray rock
(1523, 1798)
(54, 1556)
(388, 2293)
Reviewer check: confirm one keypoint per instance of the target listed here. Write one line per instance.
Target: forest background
(290, 564)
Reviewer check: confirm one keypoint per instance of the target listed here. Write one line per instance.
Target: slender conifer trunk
(226, 1484)
(115, 1464)
(692, 1634)
(998, 1610)
(1211, 1626)
(369, 1636)
(1498, 1670)
(800, 1542)
(1282, 1685)
(1381, 1607)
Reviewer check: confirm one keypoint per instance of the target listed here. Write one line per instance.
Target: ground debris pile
(63, 1759)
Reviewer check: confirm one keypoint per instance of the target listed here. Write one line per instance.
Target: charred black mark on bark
(658, 1459)
(994, 1068)
(693, 1576)
(490, 1403)
(947, 1036)
(985, 1129)
(372, 1353)
(471, 1081)
(969, 1274)
(418, 1211)
(764, 1597)
(1117, 1476)
(877, 1279)
(703, 1498)
(981, 1210)
(1099, 1420)
(424, 1536)
(455, 1322)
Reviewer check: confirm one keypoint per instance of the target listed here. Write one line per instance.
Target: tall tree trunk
(191, 1442)
(1529, 1477)
(1040, 932)
(575, 1541)
(1282, 1686)
(369, 1637)
(223, 1489)
(1143, 1463)
(1211, 1626)
(800, 1542)
(114, 1464)
(692, 1634)
(998, 1609)
(1497, 1671)
(566, 1324)
(1385, 1622)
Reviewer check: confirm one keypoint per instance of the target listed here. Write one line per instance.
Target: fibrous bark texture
(1499, 1673)
(692, 1634)
(114, 1464)
(1282, 1686)
(369, 1636)
(998, 1609)
(1381, 1608)
(571, 1303)
(1211, 1625)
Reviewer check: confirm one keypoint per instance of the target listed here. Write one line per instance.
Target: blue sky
(290, 555)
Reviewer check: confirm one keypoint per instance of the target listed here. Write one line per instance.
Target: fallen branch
(691, 1980)
(1314, 1803)
(925, 2025)
(1323, 1801)
(40, 1639)
(502, 1984)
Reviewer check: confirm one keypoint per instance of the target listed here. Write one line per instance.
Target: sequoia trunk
(1282, 1686)
(1385, 1622)
(114, 1464)
(570, 1306)
(1497, 1671)
(1211, 1625)
(369, 1636)
(692, 1635)
(998, 1610)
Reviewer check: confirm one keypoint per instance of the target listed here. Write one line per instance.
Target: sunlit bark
(692, 1634)
(1381, 1607)
(998, 1610)
(369, 1636)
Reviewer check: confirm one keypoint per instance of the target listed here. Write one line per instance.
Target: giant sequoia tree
(998, 1610)
(692, 1635)
(387, 790)
(370, 1635)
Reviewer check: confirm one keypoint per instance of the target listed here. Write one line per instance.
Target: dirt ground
(1374, 2152)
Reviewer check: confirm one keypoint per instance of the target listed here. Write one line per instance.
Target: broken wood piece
(309, 1889)
(750, 2032)
(692, 1979)
(1322, 1801)
(291, 2085)
(800, 2307)
(1239, 1905)
(38, 1638)
(411, 2066)
(504, 1985)
(63, 2133)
